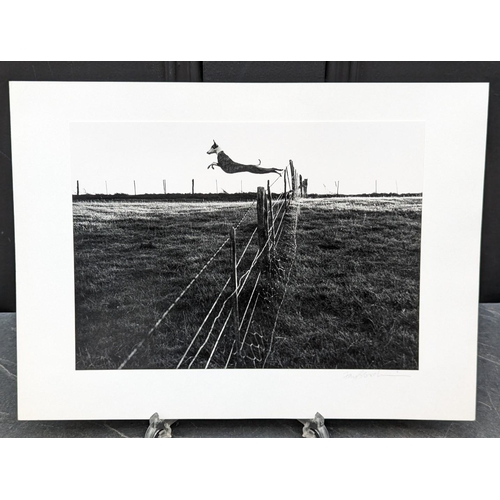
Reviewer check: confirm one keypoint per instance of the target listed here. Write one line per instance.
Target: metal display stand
(159, 428)
(313, 428)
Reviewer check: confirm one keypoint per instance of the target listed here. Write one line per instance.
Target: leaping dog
(231, 167)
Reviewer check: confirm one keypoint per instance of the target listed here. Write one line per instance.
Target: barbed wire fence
(239, 327)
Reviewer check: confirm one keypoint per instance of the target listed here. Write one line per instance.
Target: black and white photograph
(273, 245)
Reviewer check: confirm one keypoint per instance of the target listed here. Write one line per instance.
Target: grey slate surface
(487, 424)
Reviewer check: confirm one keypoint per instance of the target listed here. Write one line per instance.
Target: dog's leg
(255, 169)
(214, 164)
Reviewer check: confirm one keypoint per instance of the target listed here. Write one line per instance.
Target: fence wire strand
(218, 339)
(245, 214)
(230, 355)
(246, 248)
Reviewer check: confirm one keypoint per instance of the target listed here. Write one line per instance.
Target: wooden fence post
(262, 229)
(289, 176)
(77, 188)
(301, 186)
(192, 186)
(305, 187)
(271, 216)
(236, 312)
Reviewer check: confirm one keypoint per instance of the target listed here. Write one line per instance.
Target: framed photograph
(247, 250)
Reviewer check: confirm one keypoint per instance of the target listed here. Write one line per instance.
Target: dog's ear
(215, 145)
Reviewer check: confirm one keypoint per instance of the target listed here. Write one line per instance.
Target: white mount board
(444, 386)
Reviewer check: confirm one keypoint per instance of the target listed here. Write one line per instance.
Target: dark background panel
(7, 268)
(83, 71)
(251, 71)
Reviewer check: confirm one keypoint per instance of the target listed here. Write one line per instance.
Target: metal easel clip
(315, 428)
(159, 428)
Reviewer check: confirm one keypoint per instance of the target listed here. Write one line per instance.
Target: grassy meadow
(132, 260)
(349, 266)
(352, 302)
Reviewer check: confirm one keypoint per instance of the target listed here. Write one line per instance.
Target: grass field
(351, 297)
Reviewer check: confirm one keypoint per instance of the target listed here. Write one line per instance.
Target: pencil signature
(366, 375)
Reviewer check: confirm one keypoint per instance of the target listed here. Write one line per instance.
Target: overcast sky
(355, 154)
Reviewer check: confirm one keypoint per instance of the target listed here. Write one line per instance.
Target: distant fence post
(262, 229)
(294, 179)
(304, 187)
(192, 186)
(236, 313)
(271, 215)
(301, 186)
(77, 188)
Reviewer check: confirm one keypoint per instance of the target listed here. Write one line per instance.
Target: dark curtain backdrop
(343, 71)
